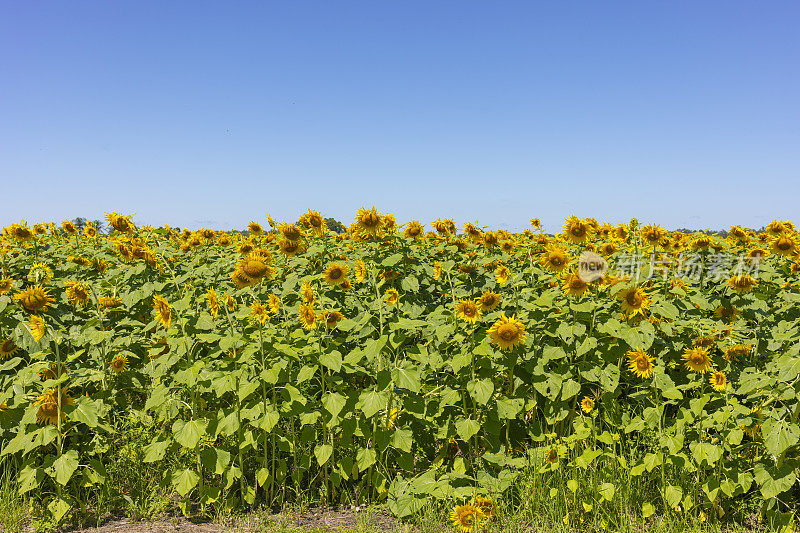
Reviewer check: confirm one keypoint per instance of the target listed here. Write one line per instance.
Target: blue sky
(216, 113)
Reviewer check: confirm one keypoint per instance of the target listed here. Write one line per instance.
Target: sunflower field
(394, 364)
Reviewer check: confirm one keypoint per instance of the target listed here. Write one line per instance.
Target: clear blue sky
(215, 113)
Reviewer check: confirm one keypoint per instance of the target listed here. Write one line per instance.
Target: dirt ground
(317, 520)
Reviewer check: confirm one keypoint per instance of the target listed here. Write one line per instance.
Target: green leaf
(85, 411)
(572, 485)
(64, 467)
(647, 510)
(407, 378)
(323, 453)
(403, 439)
(587, 457)
(569, 389)
(607, 490)
(481, 390)
(372, 402)
(190, 433)
(334, 402)
(184, 481)
(58, 508)
(215, 459)
(332, 360)
(155, 451)
(673, 495)
(467, 428)
(705, 452)
(779, 435)
(365, 458)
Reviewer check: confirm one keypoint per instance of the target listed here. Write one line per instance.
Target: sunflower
(536, 223)
(718, 380)
(315, 221)
(574, 285)
(291, 232)
(697, 359)
(742, 284)
(163, 311)
(274, 303)
(255, 268)
(652, 233)
(555, 259)
(50, 403)
(468, 310)
(633, 301)
(77, 293)
(392, 418)
(331, 318)
(507, 332)
(640, 363)
(489, 300)
(213, 302)
(35, 299)
(369, 220)
(437, 270)
(413, 230)
(392, 297)
(307, 316)
(254, 228)
(775, 227)
(6, 285)
(289, 248)
(259, 312)
(587, 405)
(335, 274)
(466, 518)
(245, 247)
(20, 232)
(119, 364)
(3, 407)
(738, 350)
(727, 314)
(7, 349)
(576, 230)
(223, 239)
(360, 270)
(52, 372)
(307, 293)
(785, 245)
(501, 274)
(552, 455)
(69, 227)
(119, 223)
(241, 280)
(38, 327)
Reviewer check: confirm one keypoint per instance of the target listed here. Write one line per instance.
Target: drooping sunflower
(718, 380)
(727, 314)
(697, 359)
(536, 223)
(307, 317)
(587, 405)
(291, 232)
(437, 270)
(489, 300)
(555, 259)
(289, 248)
(53, 371)
(6, 285)
(307, 293)
(274, 304)
(69, 227)
(640, 363)
(742, 284)
(119, 223)
(633, 301)
(369, 220)
(119, 364)
(468, 310)
(255, 268)
(507, 332)
(315, 221)
(501, 274)
(50, 403)
(652, 233)
(259, 312)
(784, 245)
(335, 274)
(486, 505)
(38, 327)
(414, 230)
(360, 270)
(163, 311)
(77, 293)
(466, 518)
(776, 227)
(574, 285)
(35, 299)
(7, 349)
(254, 228)
(213, 302)
(392, 297)
(241, 280)
(331, 318)
(577, 230)
(108, 302)
(737, 350)
(552, 455)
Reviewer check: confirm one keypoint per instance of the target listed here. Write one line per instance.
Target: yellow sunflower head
(391, 297)
(577, 230)
(307, 317)
(466, 518)
(742, 284)
(784, 245)
(163, 311)
(468, 310)
(555, 259)
(413, 230)
(335, 274)
(360, 270)
(7, 349)
(119, 364)
(119, 223)
(213, 302)
(738, 350)
(50, 403)
(274, 303)
(501, 274)
(489, 300)
(77, 293)
(6, 285)
(259, 312)
(331, 318)
(35, 299)
(369, 221)
(507, 332)
(718, 380)
(307, 293)
(697, 359)
(640, 363)
(587, 405)
(633, 300)
(574, 285)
